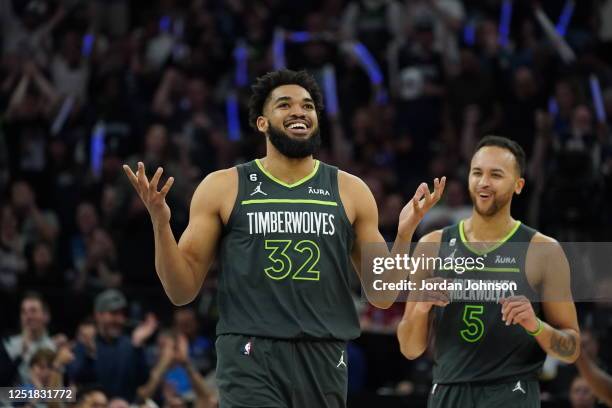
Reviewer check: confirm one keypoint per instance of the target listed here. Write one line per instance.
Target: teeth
(297, 126)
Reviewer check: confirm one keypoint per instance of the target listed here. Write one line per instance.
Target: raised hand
(154, 201)
(415, 210)
(144, 330)
(181, 353)
(518, 310)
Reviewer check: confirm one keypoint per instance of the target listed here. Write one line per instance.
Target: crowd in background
(86, 86)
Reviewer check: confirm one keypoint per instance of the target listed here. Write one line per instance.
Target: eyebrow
(492, 170)
(288, 98)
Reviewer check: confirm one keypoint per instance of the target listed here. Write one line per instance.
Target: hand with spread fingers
(415, 210)
(518, 310)
(154, 200)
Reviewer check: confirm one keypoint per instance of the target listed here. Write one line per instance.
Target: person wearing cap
(110, 357)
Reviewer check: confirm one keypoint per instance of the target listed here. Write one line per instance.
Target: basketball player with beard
(288, 230)
(489, 345)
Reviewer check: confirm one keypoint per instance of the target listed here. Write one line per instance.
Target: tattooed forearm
(564, 344)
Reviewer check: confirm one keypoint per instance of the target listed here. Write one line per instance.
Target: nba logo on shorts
(246, 349)
(452, 242)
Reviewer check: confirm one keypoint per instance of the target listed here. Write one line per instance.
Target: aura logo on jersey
(505, 259)
(319, 191)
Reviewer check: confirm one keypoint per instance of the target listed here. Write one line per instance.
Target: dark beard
(491, 210)
(294, 148)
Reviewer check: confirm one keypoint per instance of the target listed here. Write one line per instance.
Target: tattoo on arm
(564, 344)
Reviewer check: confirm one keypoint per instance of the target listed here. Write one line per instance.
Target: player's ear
(520, 183)
(262, 124)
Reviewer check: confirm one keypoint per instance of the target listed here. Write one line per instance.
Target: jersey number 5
(282, 264)
(474, 327)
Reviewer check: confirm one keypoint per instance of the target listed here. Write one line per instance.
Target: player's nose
(297, 110)
(484, 181)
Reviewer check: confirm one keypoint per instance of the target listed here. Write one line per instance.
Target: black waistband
(496, 381)
(305, 339)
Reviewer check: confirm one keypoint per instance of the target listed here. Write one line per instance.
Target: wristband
(538, 330)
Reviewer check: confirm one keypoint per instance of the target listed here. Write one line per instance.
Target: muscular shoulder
(543, 246)
(352, 184)
(217, 192)
(355, 195)
(433, 237)
(544, 254)
(539, 238)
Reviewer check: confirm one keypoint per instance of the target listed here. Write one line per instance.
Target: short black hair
(508, 144)
(265, 84)
(33, 295)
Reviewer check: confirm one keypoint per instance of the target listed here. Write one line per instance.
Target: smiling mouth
(297, 128)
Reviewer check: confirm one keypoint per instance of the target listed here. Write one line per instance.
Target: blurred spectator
(69, 70)
(201, 348)
(566, 99)
(118, 403)
(91, 397)
(581, 395)
(446, 17)
(598, 381)
(31, 106)
(86, 222)
(176, 385)
(99, 270)
(111, 17)
(34, 224)
(45, 277)
(520, 110)
(26, 27)
(12, 260)
(35, 317)
(375, 23)
(417, 76)
(47, 368)
(474, 85)
(109, 357)
(8, 369)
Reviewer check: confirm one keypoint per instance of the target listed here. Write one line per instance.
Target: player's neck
(479, 228)
(286, 169)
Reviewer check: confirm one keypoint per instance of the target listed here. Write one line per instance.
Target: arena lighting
(368, 63)
(553, 106)
(299, 36)
(597, 99)
(565, 17)
(504, 22)
(233, 119)
(241, 70)
(372, 69)
(330, 90)
(87, 45)
(278, 49)
(96, 149)
(564, 50)
(164, 24)
(62, 115)
(469, 33)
